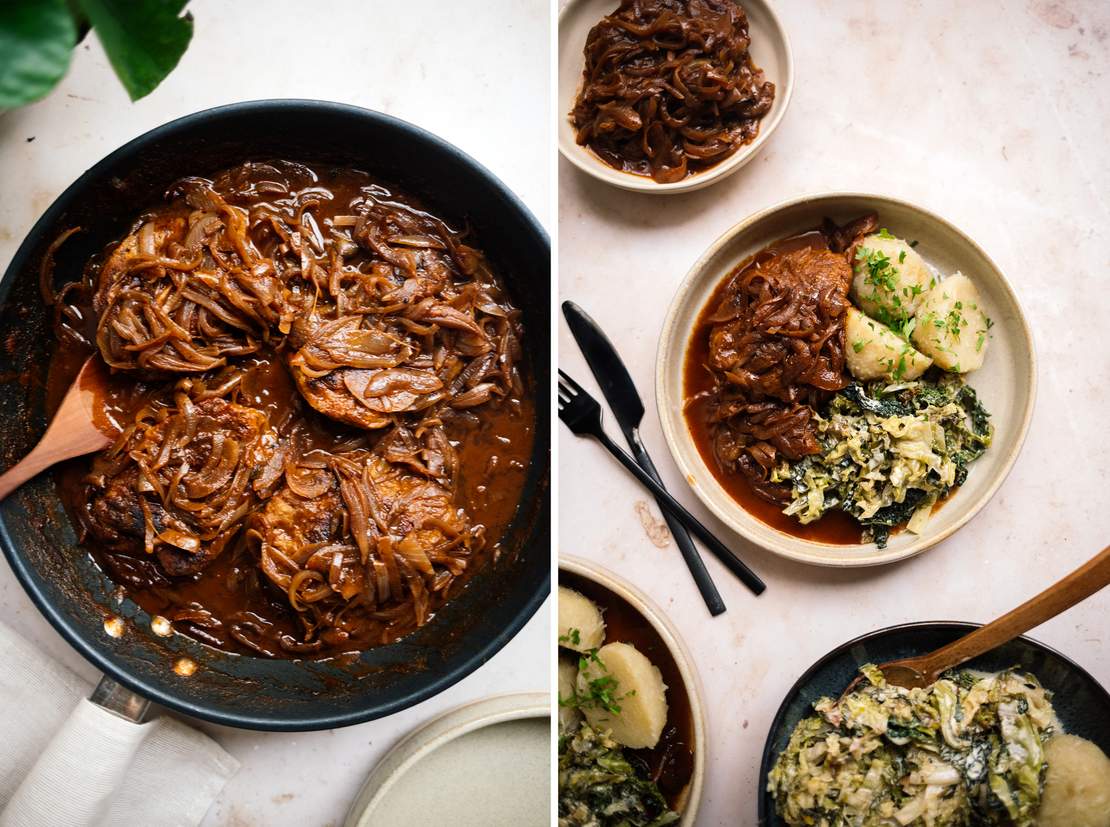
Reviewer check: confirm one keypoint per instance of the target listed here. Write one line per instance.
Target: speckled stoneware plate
(1081, 703)
(604, 587)
(485, 763)
(1006, 383)
(770, 50)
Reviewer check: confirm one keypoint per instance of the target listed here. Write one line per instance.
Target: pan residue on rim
(328, 418)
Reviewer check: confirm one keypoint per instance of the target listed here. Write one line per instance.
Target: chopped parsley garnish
(600, 692)
(900, 371)
(881, 275)
(572, 636)
(906, 328)
(954, 321)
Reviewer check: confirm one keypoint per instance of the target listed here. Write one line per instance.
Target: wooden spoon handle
(23, 470)
(1079, 585)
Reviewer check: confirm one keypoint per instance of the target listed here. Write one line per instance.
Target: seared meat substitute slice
(779, 331)
(402, 319)
(350, 370)
(186, 291)
(180, 484)
(776, 350)
(354, 532)
(366, 373)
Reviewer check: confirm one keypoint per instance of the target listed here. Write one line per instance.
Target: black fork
(582, 414)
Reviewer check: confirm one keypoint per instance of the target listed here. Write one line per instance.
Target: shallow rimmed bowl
(1082, 704)
(657, 619)
(507, 736)
(770, 50)
(1006, 383)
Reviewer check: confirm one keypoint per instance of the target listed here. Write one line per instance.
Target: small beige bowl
(655, 617)
(1006, 383)
(488, 762)
(770, 50)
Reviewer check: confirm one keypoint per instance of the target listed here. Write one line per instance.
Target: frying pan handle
(119, 700)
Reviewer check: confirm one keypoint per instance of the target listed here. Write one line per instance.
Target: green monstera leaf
(36, 40)
(144, 39)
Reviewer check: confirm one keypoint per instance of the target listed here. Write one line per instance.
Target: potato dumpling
(876, 352)
(889, 278)
(568, 677)
(1077, 785)
(950, 325)
(580, 625)
(629, 680)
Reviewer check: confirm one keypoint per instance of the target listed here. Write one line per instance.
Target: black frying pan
(35, 533)
(1081, 703)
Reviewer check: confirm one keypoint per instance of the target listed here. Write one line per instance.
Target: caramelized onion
(775, 352)
(669, 87)
(309, 484)
(186, 542)
(370, 309)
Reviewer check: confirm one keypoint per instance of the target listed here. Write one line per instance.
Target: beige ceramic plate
(654, 616)
(485, 763)
(770, 51)
(1006, 383)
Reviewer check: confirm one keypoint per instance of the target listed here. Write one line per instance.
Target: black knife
(628, 409)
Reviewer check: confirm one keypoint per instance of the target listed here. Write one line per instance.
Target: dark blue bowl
(35, 534)
(1081, 703)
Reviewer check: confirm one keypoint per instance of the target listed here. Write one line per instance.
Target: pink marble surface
(417, 62)
(994, 115)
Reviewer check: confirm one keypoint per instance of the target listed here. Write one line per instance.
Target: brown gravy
(836, 527)
(493, 447)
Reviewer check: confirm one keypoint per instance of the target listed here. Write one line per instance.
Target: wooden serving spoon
(79, 427)
(924, 670)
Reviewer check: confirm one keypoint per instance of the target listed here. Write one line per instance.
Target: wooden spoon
(79, 427)
(927, 669)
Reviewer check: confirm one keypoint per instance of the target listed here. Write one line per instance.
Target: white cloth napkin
(66, 761)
